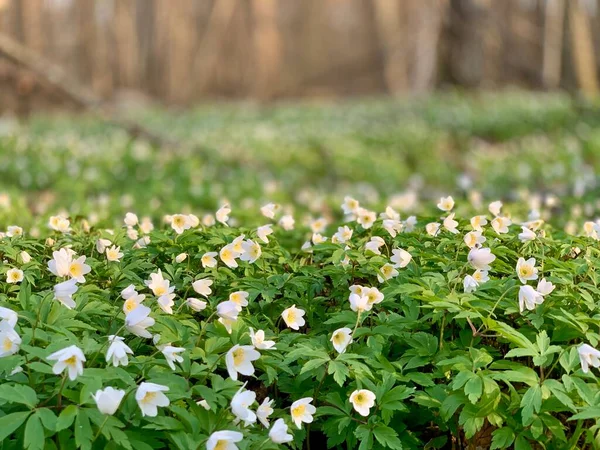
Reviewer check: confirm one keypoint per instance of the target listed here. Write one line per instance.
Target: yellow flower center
(387, 270)
(160, 290)
(236, 298)
(75, 269)
(291, 315)
(178, 221)
(372, 297)
(71, 361)
(130, 305)
(526, 271)
(221, 444)
(238, 356)
(298, 411)
(226, 254)
(150, 396)
(338, 338)
(7, 344)
(360, 399)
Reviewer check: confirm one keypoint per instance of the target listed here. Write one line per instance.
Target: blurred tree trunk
(267, 47)
(554, 18)
(583, 49)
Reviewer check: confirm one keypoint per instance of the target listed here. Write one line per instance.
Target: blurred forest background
(183, 52)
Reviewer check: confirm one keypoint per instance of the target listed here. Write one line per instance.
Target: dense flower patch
(379, 331)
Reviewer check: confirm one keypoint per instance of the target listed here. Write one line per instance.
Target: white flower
(131, 220)
(149, 396)
(25, 257)
(526, 270)
(473, 238)
(180, 258)
(343, 235)
(202, 286)
(293, 317)
(302, 411)
(390, 214)
(208, 260)
(13, 231)
(527, 235)
(204, 404)
(138, 320)
(14, 275)
(269, 210)
(450, 224)
(258, 340)
(446, 203)
(393, 227)
(341, 339)
(359, 303)
(171, 354)
(362, 400)
(264, 411)
(61, 263)
(158, 285)
(374, 296)
(317, 238)
(588, 356)
(263, 232)
(228, 313)
(195, 304)
(193, 220)
(470, 284)
(146, 226)
(287, 222)
(374, 244)
(481, 276)
(495, 207)
(114, 253)
(117, 351)
(228, 256)
(166, 302)
(108, 400)
(58, 223)
(350, 205)
(544, 287)
(366, 218)
(63, 292)
(240, 406)
(386, 272)
(251, 252)
(10, 341)
(180, 223)
(70, 359)
(102, 244)
(279, 433)
(481, 258)
(478, 222)
(400, 258)
(319, 225)
(223, 214)
(224, 440)
(240, 298)
(8, 316)
(133, 301)
(501, 224)
(410, 223)
(432, 228)
(529, 298)
(239, 360)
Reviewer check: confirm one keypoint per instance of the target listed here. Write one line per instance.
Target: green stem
(498, 302)
(100, 429)
(203, 329)
(62, 385)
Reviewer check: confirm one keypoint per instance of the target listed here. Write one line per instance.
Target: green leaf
(387, 437)
(34, 434)
(473, 389)
(48, 418)
(312, 364)
(502, 438)
(593, 412)
(531, 401)
(18, 393)
(339, 370)
(66, 417)
(11, 422)
(83, 430)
